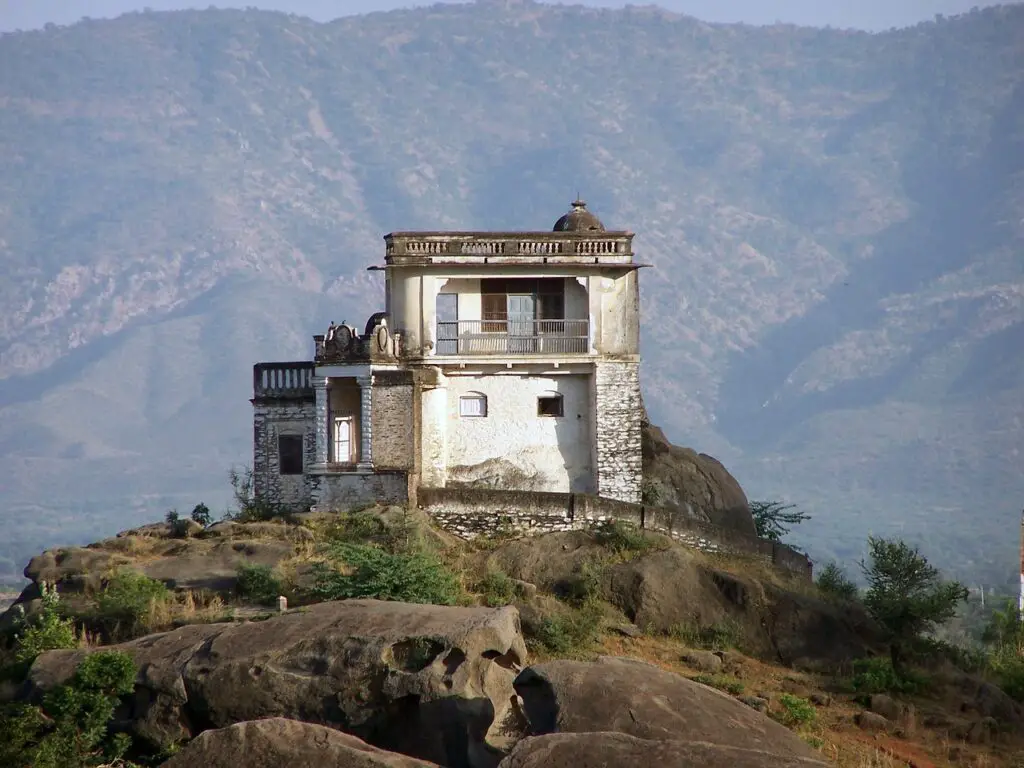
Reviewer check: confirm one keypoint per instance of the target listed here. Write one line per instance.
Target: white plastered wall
(540, 453)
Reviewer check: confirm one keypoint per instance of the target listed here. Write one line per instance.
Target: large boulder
(617, 750)
(695, 482)
(277, 741)
(620, 695)
(434, 682)
(674, 587)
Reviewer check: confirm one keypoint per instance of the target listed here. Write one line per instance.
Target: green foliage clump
(1004, 636)
(48, 630)
(258, 583)
(583, 586)
(70, 729)
(497, 588)
(905, 594)
(248, 508)
(571, 631)
(128, 597)
(773, 519)
(201, 514)
(722, 682)
(622, 538)
(834, 584)
(371, 572)
(877, 675)
(796, 712)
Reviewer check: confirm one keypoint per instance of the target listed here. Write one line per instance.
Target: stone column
(320, 421)
(365, 423)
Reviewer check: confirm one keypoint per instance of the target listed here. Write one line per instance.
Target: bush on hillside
(833, 584)
(361, 570)
(47, 630)
(258, 583)
(70, 729)
(130, 597)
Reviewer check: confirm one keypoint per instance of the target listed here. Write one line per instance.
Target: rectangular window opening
(289, 454)
(549, 405)
(473, 405)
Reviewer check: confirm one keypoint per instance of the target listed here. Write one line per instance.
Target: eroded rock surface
(625, 696)
(618, 750)
(434, 682)
(276, 742)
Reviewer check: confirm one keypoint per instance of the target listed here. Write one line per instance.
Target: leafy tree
(906, 595)
(201, 514)
(833, 583)
(773, 518)
(372, 572)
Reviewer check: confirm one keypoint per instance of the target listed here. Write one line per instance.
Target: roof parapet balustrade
(509, 247)
(289, 381)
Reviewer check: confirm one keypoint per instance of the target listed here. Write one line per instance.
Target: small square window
(474, 404)
(289, 454)
(549, 405)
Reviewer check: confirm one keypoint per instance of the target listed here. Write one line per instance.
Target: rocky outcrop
(617, 750)
(682, 478)
(670, 720)
(674, 588)
(276, 741)
(433, 682)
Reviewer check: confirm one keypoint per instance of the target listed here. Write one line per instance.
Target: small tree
(906, 595)
(201, 514)
(833, 582)
(772, 519)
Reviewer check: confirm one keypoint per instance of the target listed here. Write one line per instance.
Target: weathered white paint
(434, 445)
(550, 453)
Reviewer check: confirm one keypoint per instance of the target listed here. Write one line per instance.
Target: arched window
(473, 404)
(550, 404)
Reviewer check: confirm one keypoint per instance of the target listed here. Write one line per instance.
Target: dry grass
(188, 607)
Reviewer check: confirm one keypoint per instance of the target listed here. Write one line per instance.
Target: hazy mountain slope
(834, 220)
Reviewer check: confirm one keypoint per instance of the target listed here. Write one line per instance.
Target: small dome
(579, 219)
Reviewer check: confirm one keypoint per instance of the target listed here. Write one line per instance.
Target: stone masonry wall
(340, 491)
(272, 418)
(617, 436)
(471, 512)
(392, 420)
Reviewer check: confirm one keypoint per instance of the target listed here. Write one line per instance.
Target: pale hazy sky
(864, 14)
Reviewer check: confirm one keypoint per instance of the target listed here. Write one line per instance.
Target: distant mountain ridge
(834, 219)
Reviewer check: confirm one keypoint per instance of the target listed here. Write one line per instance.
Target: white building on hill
(502, 359)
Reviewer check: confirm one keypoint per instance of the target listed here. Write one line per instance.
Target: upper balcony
(512, 337)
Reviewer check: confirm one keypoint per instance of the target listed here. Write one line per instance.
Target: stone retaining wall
(471, 512)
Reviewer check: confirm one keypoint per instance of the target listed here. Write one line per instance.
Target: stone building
(505, 360)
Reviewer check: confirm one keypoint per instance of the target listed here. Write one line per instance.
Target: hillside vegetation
(835, 307)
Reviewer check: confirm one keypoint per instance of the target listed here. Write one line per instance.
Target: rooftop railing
(291, 380)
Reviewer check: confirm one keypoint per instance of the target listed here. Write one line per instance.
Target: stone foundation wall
(617, 436)
(341, 491)
(272, 418)
(471, 512)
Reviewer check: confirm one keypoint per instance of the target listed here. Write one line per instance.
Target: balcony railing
(513, 337)
(283, 380)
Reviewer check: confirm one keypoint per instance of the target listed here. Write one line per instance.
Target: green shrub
(258, 583)
(372, 572)
(877, 675)
(1007, 667)
(583, 585)
(621, 537)
(128, 597)
(796, 712)
(201, 514)
(48, 630)
(497, 588)
(833, 583)
(565, 633)
(721, 682)
(720, 636)
(70, 729)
